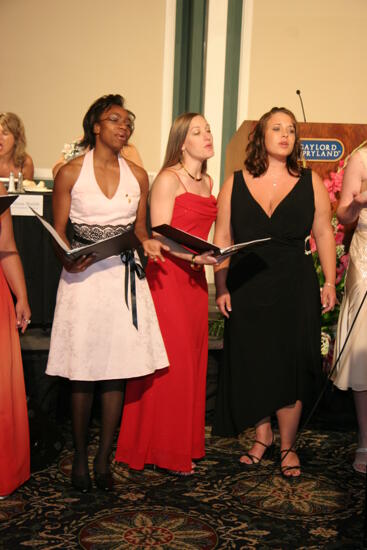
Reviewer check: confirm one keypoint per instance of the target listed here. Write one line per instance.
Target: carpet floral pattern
(221, 506)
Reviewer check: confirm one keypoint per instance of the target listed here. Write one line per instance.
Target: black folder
(198, 245)
(112, 246)
(6, 201)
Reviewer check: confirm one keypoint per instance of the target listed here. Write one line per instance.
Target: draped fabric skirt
(14, 431)
(164, 414)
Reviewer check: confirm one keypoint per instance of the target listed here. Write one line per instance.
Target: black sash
(131, 267)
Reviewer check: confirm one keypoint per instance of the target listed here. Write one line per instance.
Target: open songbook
(112, 246)
(6, 201)
(200, 245)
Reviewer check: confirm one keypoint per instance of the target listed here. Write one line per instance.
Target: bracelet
(194, 265)
(329, 284)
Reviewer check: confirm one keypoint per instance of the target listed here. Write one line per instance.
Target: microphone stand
(298, 92)
(319, 399)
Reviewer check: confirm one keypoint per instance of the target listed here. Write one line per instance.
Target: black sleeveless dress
(271, 354)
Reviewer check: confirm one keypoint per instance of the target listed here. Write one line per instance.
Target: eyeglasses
(118, 121)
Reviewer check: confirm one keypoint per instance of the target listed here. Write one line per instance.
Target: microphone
(298, 92)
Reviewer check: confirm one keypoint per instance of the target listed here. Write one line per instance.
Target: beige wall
(319, 47)
(60, 56)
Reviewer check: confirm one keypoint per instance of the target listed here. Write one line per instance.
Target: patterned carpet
(222, 506)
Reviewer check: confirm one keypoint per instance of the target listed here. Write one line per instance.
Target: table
(41, 267)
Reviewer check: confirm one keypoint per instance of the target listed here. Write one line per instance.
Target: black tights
(81, 402)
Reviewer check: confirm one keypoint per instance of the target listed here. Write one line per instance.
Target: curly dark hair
(256, 160)
(93, 114)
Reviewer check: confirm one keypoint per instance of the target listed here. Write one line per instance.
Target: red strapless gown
(163, 421)
(14, 432)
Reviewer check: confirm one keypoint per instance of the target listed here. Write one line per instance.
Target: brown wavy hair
(12, 123)
(176, 139)
(257, 161)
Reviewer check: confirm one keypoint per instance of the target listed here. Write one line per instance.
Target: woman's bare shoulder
(69, 172)
(168, 178)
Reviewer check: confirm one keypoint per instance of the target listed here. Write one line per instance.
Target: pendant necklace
(188, 173)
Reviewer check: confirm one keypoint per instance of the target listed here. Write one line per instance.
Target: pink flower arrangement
(333, 184)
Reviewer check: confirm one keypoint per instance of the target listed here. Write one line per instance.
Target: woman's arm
(152, 247)
(61, 201)
(223, 237)
(325, 242)
(56, 167)
(13, 269)
(352, 200)
(28, 168)
(163, 195)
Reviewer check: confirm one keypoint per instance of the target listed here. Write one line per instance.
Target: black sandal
(284, 469)
(255, 460)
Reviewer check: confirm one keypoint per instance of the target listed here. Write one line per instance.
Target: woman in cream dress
(352, 367)
(96, 336)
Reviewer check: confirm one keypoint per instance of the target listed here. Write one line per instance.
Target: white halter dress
(351, 370)
(93, 335)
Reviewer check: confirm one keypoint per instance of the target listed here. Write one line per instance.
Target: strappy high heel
(284, 469)
(255, 460)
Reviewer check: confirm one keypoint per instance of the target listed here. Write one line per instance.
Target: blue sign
(322, 150)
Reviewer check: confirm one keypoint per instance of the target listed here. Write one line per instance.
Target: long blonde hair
(12, 123)
(176, 139)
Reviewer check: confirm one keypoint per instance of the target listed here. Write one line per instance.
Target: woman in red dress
(14, 432)
(163, 421)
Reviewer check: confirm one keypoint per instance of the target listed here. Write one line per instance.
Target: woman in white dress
(352, 367)
(96, 336)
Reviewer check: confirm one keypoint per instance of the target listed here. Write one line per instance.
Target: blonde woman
(164, 415)
(351, 370)
(13, 156)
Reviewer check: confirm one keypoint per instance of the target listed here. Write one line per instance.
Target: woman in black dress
(269, 294)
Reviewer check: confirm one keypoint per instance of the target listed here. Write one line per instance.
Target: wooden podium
(325, 144)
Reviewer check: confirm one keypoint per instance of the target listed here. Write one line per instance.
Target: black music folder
(6, 201)
(198, 245)
(112, 246)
